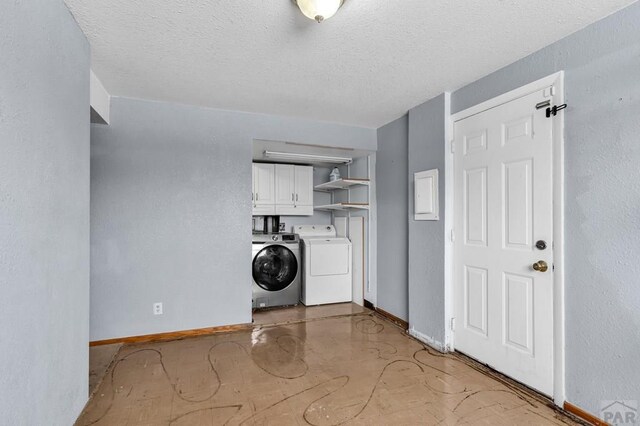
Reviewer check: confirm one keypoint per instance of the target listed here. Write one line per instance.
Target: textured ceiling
(365, 66)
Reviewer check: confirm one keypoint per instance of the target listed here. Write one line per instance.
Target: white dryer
(326, 265)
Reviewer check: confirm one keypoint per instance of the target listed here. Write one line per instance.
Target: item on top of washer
(334, 175)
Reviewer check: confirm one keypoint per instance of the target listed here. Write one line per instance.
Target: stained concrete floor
(280, 316)
(100, 358)
(343, 369)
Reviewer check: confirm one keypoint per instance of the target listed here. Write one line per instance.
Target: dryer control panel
(315, 231)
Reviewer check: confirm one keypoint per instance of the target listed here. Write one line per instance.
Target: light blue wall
(602, 82)
(44, 214)
(602, 224)
(391, 195)
(426, 238)
(171, 212)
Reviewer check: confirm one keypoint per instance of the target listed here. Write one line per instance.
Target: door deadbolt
(540, 266)
(541, 244)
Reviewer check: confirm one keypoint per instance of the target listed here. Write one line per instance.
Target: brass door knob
(540, 266)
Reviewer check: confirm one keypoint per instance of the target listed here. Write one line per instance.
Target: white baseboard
(429, 341)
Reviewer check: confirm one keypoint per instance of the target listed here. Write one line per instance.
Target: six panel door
(502, 206)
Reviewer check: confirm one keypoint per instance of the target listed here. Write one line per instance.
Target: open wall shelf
(343, 207)
(340, 184)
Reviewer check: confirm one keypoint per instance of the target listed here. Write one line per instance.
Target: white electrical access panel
(426, 206)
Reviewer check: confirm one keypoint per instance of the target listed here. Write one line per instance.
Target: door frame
(556, 81)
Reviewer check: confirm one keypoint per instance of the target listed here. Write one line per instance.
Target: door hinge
(453, 236)
(554, 110)
(549, 92)
(453, 324)
(453, 147)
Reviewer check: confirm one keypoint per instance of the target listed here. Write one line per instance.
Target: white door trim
(557, 82)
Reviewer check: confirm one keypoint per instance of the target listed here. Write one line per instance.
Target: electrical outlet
(157, 308)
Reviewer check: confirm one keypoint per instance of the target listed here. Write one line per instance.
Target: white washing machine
(326, 265)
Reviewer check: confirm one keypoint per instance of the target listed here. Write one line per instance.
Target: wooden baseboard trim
(584, 415)
(173, 335)
(394, 319)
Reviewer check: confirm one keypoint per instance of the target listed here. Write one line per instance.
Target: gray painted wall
(602, 153)
(171, 212)
(426, 238)
(602, 84)
(44, 214)
(392, 204)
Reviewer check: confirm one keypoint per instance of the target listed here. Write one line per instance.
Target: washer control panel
(261, 238)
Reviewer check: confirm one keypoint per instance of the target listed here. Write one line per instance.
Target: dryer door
(274, 268)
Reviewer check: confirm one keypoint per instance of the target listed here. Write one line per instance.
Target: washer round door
(274, 268)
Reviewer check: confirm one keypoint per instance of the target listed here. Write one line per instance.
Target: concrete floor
(100, 358)
(346, 368)
(280, 316)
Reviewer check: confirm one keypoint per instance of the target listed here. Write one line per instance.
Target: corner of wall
(448, 222)
(99, 99)
(429, 341)
(426, 151)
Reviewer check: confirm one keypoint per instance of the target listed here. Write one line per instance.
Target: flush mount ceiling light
(319, 10)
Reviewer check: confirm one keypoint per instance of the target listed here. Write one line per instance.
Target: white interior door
(503, 205)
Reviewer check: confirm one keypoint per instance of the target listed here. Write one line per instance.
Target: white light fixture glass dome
(319, 10)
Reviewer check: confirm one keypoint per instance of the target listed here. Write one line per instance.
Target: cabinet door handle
(292, 197)
(257, 197)
(296, 197)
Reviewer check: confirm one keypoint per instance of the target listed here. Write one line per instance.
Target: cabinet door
(287, 210)
(264, 184)
(304, 185)
(253, 184)
(264, 210)
(285, 188)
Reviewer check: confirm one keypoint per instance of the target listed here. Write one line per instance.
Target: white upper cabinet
(282, 189)
(264, 194)
(264, 184)
(303, 186)
(285, 184)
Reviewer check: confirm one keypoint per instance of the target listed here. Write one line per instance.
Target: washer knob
(274, 238)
